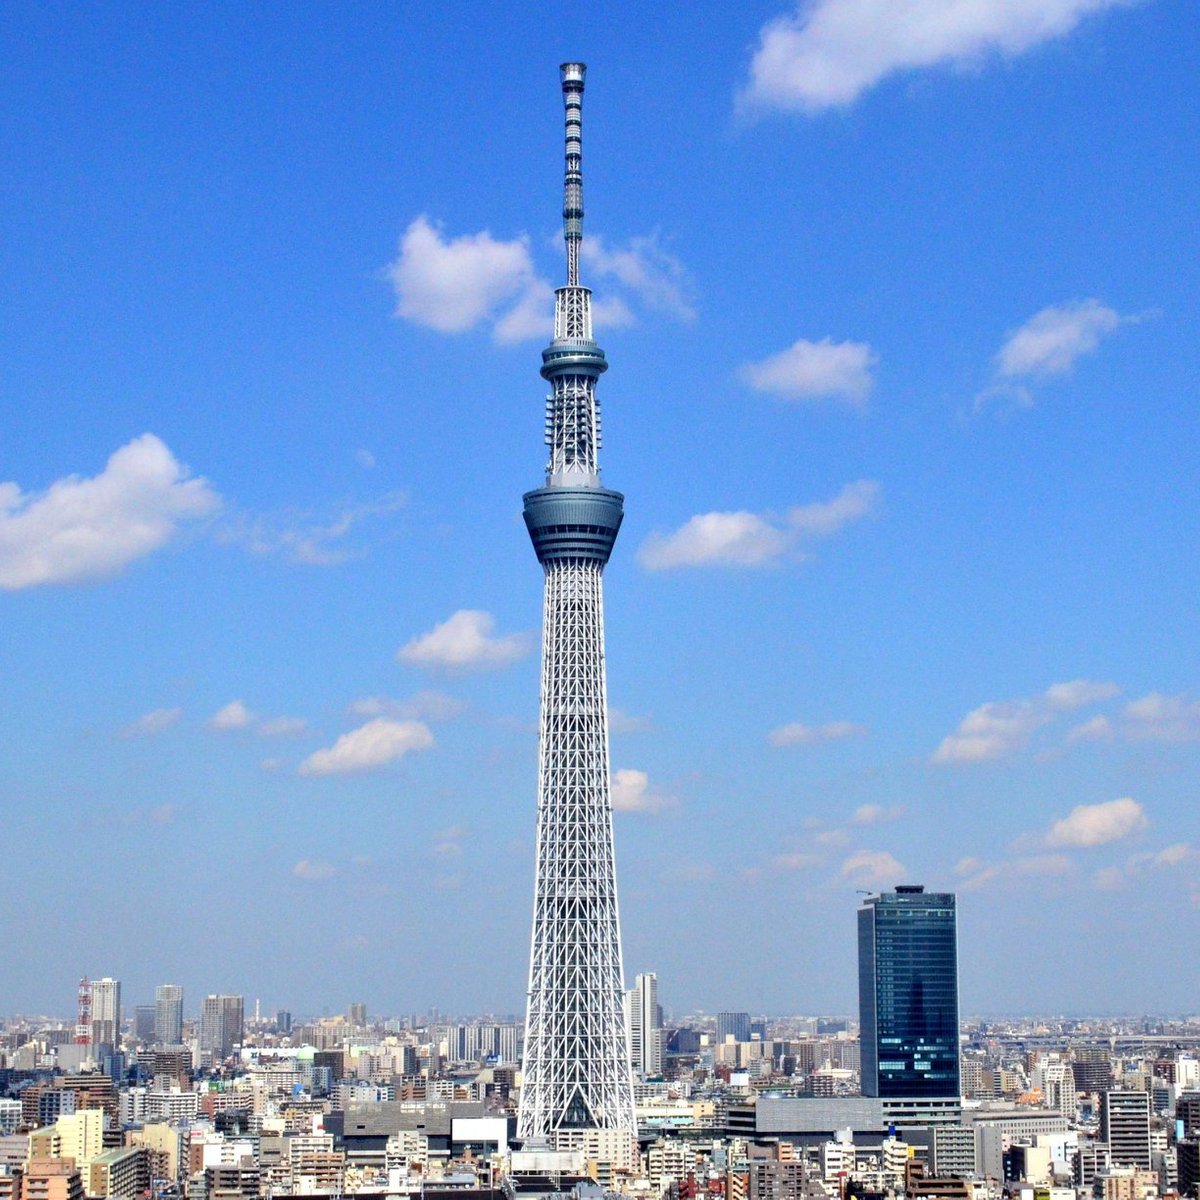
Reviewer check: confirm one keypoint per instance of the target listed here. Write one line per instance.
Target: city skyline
(906, 404)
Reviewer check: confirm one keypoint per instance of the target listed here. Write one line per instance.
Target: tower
(106, 1012)
(576, 1067)
(908, 996)
(644, 1020)
(168, 1014)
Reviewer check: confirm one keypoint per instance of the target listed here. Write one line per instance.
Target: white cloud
(365, 459)
(464, 642)
(1160, 718)
(457, 284)
(794, 862)
(1000, 728)
(1079, 693)
(453, 285)
(630, 791)
(235, 715)
(369, 747)
(283, 727)
(152, 722)
(980, 874)
(423, 706)
(824, 370)
(746, 539)
(1178, 855)
(1051, 341)
(872, 868)
(798, 734)
(619, 721)
(831, 51)
(80, 530)
(653, 274)
(991, 731)
(827, 517)
(1090, 825)
(313, 871)
(1097, 729)
(876, 814)
(302, 537)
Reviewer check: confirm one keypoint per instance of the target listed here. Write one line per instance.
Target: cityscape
(617, 1076)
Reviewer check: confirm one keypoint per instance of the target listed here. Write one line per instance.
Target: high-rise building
(1092, 1068)
(106, 1012)
(143, 1022)
(1125, 1127)
(643, 1018)
(576, 1067)
(357, 1015)
(168, 1014)
(221, 1022)
(734, 1025)
(908, 994)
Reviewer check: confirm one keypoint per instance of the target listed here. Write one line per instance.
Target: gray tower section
(576, 1067)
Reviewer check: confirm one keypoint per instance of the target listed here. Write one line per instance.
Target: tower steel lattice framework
(576, 1065)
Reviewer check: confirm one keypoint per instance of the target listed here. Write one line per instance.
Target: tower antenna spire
(573, 74)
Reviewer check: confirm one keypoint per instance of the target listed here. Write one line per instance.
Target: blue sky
(904, 350)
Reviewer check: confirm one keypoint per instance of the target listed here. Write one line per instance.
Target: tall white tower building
(643, 1019)
(106, 1012)
(168, 1014)
(576, 1073)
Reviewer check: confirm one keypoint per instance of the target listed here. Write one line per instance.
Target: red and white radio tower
(83, 1022)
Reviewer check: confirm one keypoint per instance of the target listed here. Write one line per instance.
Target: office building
(735, 1025)
(1125, 1127)
(221, 1023)
(106, 1012)
(643, 1015)
(168, 1014)
(908, 994)
(577, 1076)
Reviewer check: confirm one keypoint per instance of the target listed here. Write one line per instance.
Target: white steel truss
(576, 1068)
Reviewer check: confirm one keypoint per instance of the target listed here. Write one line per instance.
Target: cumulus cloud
(423, 706)
(746, 539)
(876, 814)
(80, 530)
(235, 715)
(303, 537)
(654, 275)
(283, 727)
(368, 748)
(313, 870)
(1160, 718)
(152, 722)
(1089, 825)
(980, 874)
(456, 284)
(872, 868)
(1097, 729)
(798, 734)
(1000, 728)
(619, 721)
(829, 52)
(466, 641)
(631, 792)
(1048, 344)
(824, 370)
(1051, 341)
(797, 861)
(1112, 878)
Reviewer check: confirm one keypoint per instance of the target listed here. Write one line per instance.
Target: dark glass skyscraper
(908, 994)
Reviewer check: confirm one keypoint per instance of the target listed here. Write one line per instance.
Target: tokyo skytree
(577, 1072)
